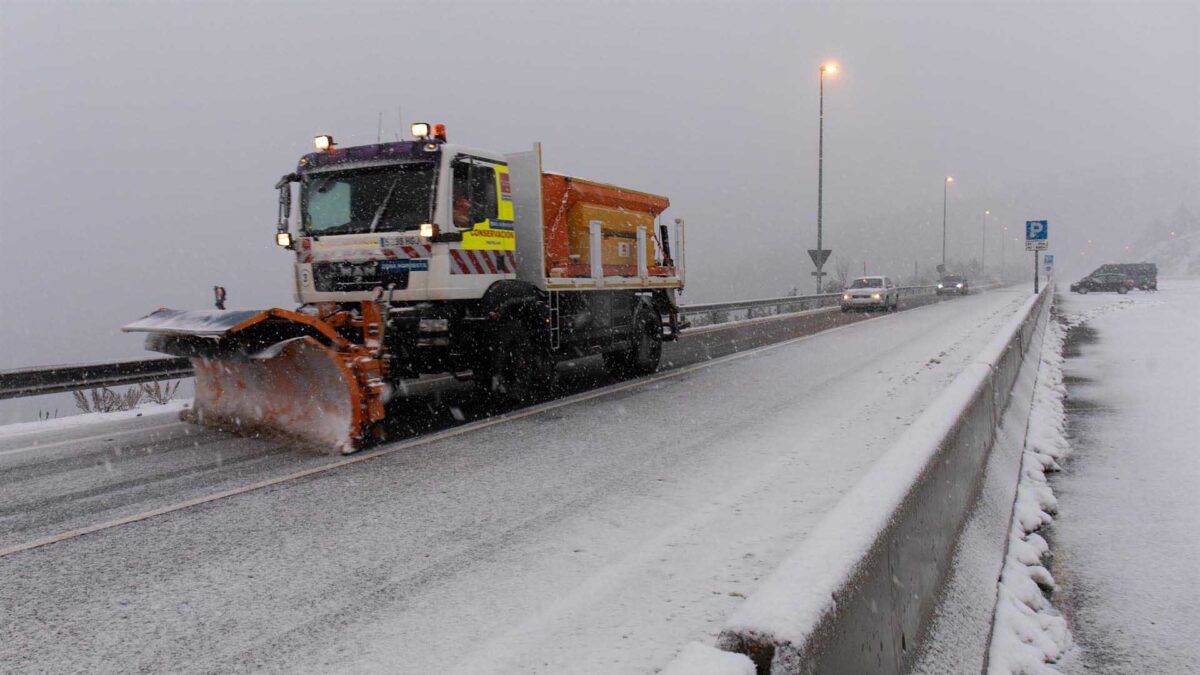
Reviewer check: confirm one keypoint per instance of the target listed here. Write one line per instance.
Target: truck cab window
(474, 194)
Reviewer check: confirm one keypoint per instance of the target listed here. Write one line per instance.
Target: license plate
(400, 240)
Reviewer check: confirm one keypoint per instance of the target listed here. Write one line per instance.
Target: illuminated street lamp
(945, 188)
(829, 68)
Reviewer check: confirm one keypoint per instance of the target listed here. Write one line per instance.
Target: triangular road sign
(819, 257)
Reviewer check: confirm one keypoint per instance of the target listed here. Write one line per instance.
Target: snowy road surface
(81, 471)
(1126, 539)
(599, 536)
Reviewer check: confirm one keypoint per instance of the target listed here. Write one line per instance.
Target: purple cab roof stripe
(363, 153)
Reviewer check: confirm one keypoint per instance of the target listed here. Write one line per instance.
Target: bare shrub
(103, 399)
(160, 392)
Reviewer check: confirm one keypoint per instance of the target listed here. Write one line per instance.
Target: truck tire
(645, 351)
(647, 344)
(508, 369)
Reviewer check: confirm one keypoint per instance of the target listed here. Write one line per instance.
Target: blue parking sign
(1036, 229)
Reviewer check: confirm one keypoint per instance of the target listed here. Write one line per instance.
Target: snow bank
(146, 409)
(700, 659)
(1028, 633)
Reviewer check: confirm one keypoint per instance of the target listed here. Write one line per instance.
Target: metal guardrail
(725, 312)
(39, 380)
(55, 379)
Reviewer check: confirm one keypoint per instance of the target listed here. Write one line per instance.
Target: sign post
(1036, 239)
(819, 256)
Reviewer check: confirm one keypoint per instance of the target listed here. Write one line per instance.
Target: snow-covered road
(599, 536)
(1126, 539)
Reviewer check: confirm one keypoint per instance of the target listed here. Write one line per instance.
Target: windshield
(951, 280)
(376, 199)
(867, 282)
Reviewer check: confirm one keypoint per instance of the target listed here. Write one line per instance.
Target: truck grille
(343, 277)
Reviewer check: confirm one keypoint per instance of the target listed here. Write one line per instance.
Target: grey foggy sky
(139, 141)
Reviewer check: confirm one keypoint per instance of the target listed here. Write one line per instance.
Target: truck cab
(424, 220)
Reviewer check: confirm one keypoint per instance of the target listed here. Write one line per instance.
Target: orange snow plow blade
(274, 371)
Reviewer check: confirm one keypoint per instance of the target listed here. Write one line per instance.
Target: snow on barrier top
(858, 595)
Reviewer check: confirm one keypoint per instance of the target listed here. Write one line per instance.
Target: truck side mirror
(285, 207)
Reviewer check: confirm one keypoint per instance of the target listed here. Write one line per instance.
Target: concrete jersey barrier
(859, 595)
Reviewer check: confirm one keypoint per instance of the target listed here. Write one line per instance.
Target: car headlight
(959, 286)
(940, 286)
(875, 296)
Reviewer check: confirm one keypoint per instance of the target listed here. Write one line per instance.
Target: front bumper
(952, 290)
(864, 303)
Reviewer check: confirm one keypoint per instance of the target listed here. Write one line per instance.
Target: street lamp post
(1003, 245)
(983, 245)
(945, 189)
(832, 69)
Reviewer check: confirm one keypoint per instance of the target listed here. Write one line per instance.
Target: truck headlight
(428, 230)
(283, 239)
(940, 286)
(959, 286)
(875, 296)
(845, 296)
(323, 143)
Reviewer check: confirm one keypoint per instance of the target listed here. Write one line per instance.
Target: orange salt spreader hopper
(570, 206)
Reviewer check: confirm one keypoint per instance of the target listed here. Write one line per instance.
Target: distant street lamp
(945, 188)
(983, 245)
(1003, 245)
(831, 68)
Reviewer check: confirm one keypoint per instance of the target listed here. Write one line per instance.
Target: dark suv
(1119, 283)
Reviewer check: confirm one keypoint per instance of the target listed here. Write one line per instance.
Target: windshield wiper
(383, 206)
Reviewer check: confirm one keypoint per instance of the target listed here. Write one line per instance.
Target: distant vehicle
(1144, 275)
(1119, 283)
(952, 284)
(871, 293)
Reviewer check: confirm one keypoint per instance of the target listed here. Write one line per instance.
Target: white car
(871, 293)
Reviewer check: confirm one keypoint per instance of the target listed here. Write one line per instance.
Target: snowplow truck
(420, 257)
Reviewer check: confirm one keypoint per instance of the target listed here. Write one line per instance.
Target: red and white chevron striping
(463, 261)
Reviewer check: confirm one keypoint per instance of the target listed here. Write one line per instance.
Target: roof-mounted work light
(420, 130)
(323, 142)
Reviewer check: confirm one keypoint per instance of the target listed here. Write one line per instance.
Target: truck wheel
(509, 372)
(647, 342)
(645, 352)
